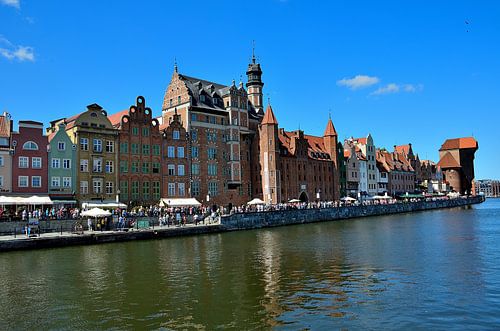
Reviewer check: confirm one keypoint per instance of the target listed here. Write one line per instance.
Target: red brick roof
(456, 143)
(4, 127)
(116, 118)
(360, 140)
(347, 153)
(330, 129)
(405, 149)
(269, 117)
(448, 161)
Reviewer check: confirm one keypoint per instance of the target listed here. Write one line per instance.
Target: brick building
(29, 162)
(140, 149)
(456, 159)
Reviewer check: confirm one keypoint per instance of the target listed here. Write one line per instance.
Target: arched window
(30, 145)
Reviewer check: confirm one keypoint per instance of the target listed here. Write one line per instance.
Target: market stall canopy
(255, 201)
(381, 197)
(294, 201)
(347, 199)
(188, 202)
(95, 212)
(33, 200)
(104, 204)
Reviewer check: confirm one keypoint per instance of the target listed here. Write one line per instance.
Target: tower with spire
(255, 85)
(330, 141)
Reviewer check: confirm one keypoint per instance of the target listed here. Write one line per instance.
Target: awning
(103, 204)
(95, 212)
(67, 202)
(33, 200)
(187, 202)
(255, 201)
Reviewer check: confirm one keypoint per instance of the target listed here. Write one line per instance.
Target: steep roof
(448, 161)
(456, 143)
(116, 118)
(360, 140)
(404, 149)
(315, 145)
(330, 129)
(4, 127)
(269, 117)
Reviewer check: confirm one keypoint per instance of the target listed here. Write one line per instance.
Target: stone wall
(287, 217)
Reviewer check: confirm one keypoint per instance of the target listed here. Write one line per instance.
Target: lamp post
(118, 196)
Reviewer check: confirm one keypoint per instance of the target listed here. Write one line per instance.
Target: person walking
(89, 223)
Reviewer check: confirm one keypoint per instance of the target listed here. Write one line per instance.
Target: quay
(234, 222)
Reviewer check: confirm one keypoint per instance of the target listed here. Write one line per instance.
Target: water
(437, 269)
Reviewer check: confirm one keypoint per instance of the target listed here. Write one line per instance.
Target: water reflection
(431, 270)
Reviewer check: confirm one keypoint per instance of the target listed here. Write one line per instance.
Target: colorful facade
(6, 152)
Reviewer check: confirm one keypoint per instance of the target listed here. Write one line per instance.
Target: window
(1, 181)
(202, 98)
(194, 135)
(212, 188)
(97, 185)
(124, 148)
(110, 146)
(145, 132)
(212, 169)
(145, 149)
(156, 190)
(109, 167)
(84, 165)
(84, 187)
(30, 146)
(109, 187)
(194, 117)
(36, 162)
(156, 167)
(61, 146)
(134, 167)
(36, 181)
(66, 183)
(181, 188)
(180, 152)
(135, 148)
(145, 167)
(124, 189)
(145, 190)
(97, 145)
(195, 169)
(55, 182)
(171, 189)
(97, 165)
(179, 99)
(171, 151)
(22, 181)
(170, 102)
(56, 163)
(194, 151)
(67, 164)
(135, 190)
(171, 169)
(180, 170)
(23, 162)
(156, 149)
(195, 188)
(1, 161)
(212, 153)
(135, 131)
(84, 145)
(123, 166)
(176, 134)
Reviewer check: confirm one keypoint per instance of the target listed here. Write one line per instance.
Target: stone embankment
(229, 223)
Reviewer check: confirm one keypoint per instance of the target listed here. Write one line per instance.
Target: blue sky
(405, 71)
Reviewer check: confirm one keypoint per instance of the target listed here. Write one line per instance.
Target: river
(428, 270)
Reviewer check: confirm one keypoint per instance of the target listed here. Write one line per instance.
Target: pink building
(29, 163)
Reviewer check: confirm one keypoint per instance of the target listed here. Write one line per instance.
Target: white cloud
(12, 3)
(396, 88)
(357, 82)
(15, 52)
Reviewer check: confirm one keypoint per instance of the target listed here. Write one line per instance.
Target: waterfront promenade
(238, 221)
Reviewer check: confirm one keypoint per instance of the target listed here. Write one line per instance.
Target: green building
(62, 166)
(342, 169)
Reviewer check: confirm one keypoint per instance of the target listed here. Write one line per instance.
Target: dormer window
(30, 145)
(93, 114)
(202, 98)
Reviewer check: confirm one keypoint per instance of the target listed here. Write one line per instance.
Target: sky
(404, 71)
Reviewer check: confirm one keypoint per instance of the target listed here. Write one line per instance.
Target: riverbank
(244, 221)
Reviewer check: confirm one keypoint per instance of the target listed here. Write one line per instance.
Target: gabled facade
(6, 152)
(62, 167)
(139, 155)
(29, 162)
